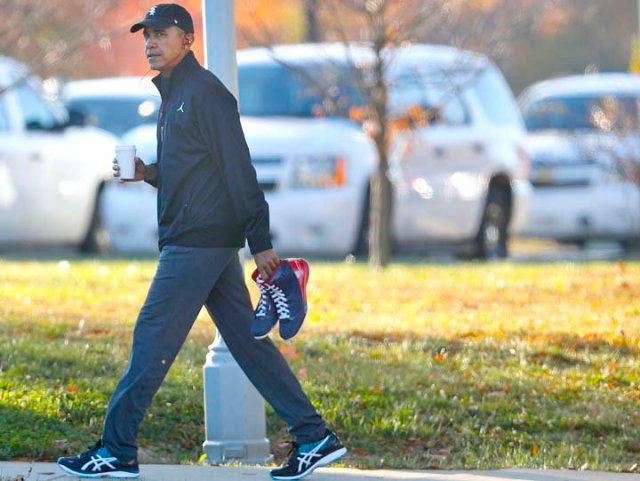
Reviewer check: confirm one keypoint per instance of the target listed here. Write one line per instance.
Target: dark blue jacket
(208, 193)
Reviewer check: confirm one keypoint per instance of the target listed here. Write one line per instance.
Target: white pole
(235, 422)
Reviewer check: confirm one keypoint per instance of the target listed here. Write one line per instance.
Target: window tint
(117, 115)
(35, 111)
(589, 112)
(297, 91)
(429, 90)
(455, 113)
(496, 98)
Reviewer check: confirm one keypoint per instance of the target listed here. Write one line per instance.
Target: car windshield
(310, 90)
(588, 112)
(493, 92)
(117, 115)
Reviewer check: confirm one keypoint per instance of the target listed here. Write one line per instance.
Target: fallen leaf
(441, 355)
(289, 352)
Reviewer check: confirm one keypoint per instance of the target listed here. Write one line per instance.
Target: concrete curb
(159, 472)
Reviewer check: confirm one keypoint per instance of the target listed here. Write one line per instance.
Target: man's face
(165, 48)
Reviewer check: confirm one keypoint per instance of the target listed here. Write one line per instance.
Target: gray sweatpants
(186, 279)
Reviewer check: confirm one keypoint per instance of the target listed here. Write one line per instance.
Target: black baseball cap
(165, 15)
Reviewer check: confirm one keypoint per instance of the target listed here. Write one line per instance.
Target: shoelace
(263, 303)
(280, 300)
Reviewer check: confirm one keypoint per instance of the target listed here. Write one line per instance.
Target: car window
(117, 115)
(586, 112)
(494, 94)
(35, 111)
(314, 89)
(429, 90)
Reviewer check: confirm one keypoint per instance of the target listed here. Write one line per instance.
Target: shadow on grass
(483, 341)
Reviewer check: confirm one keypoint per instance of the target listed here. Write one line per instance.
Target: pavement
(18, 471)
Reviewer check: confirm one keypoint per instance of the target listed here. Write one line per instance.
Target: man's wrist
(149, 173)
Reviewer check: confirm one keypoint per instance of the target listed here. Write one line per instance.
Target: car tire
(493, 236)
(97, 240)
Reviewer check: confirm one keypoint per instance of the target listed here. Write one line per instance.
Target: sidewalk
(157, 472)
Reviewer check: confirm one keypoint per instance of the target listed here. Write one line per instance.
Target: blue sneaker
(287, 289)
(304, 458)
(265, 316)
(98, 462)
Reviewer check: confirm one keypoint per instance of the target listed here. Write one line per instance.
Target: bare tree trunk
(380, 217)
(313, 33)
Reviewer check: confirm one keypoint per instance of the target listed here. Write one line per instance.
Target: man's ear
(188, 39)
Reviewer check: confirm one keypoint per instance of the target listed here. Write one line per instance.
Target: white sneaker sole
(328, 459)
(113, 474)
(262, 337)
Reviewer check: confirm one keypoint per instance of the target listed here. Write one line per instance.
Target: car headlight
(319, 171)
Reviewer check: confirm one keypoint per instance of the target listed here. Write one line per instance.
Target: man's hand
(267, 262)
(140, 170)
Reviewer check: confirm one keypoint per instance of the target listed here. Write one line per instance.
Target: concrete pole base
(235, 421)
(243, 452)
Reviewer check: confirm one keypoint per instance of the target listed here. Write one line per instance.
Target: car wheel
(97, 240)
(492, 238)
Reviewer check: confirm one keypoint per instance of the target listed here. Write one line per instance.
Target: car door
(38, 162)
(436, 175)
(18, 182)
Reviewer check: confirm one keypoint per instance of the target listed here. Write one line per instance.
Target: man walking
(208, 203)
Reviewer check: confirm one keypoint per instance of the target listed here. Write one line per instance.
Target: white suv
(51, 173)
(461, 181)
(584, 166)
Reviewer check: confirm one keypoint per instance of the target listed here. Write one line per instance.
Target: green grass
(418, 366)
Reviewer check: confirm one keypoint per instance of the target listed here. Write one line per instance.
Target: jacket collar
(177, 75)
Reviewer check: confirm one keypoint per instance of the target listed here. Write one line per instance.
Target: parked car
(123, 105)
(116, 104)
(583, 145)
(52, 173)
(461, 181)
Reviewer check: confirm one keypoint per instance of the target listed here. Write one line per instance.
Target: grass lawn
(419, 366)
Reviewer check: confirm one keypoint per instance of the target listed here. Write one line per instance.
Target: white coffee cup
(126, 157)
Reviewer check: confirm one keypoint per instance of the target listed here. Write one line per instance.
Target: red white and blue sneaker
(304, 458)
(98, 462)
(288, 291)
(265, 316)
(283, 298)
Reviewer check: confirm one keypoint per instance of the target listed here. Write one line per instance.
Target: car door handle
(478, 148)
(35, 157)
